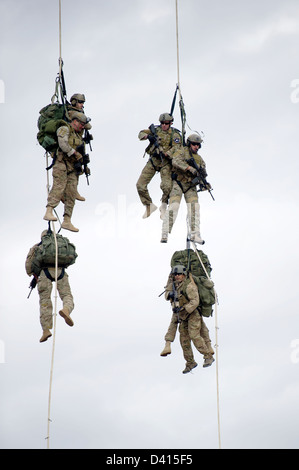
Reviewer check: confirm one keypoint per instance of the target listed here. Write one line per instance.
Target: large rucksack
(44, 255)
(189, 259)
(51, 118)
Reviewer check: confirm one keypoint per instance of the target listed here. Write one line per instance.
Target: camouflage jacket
(180, 165)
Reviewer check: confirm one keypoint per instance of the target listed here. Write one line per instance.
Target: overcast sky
(239, 78)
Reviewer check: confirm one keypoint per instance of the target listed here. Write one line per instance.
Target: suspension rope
(54, 322)
(177, 42)
(181, 103)
(216, 344)
(54, 338)
(56, 260)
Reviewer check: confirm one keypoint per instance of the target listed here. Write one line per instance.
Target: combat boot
(196, 238)
(164, 237)
(208, 361)
(79, 197)
(49, 214)
(64, 313)
(163, 209)
(149, 209)
(46, 334)
(166, 350)
(189, 367)
(67, 224)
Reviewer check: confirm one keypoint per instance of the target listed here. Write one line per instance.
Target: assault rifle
(83, 161)
(155, 141)
(32, 285)
(173, 297)
(175, 301)
(200, 178)
(87, 137)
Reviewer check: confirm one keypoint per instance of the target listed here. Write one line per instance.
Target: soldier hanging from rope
(182, 292)
(164, 139)
(65, 170)
(40, 263)
(184, 183)
(77, 102)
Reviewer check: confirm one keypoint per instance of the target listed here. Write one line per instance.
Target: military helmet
(194, 139)
(165, 117)
(78, 97)
(79, 116)
(179, 269)
(44, 232)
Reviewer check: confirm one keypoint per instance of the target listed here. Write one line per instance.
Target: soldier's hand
(77, 155)
(170, 296)
(192, 170)
(151, 138)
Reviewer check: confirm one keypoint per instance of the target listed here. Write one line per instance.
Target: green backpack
(45, 253)
(51, 118)
(189, 259)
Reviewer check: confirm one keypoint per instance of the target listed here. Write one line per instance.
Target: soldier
(191, 325)
(182, 184)
(65, 178)
(160, 150)
(44, 286)
(77, 102)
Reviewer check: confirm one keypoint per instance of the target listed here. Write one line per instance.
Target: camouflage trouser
(170, 336)
(194, 329)
(44, 286)
(175, 197)
(65, 181)
(147, 175)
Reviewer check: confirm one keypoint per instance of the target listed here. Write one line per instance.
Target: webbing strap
(173, 101)
(52, 279)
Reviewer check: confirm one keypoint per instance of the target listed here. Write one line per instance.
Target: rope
(177, 42)
(56, 270)
(181, 103)
(216, 345)
(54, 338)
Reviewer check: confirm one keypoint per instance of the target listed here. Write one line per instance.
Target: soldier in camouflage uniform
(183, 174)
(44, 286)
(76, 104)
(169, 139)
(65, 178)
(191, 325)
